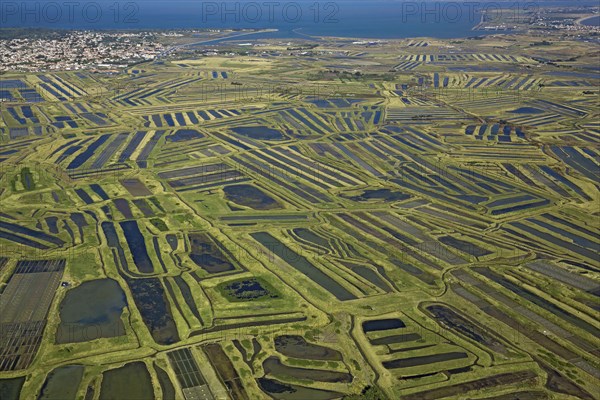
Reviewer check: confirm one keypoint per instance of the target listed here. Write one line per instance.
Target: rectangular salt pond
(301, 264)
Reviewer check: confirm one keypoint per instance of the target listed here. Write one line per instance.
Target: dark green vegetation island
(304, 219)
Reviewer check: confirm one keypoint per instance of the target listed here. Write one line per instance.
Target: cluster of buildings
(75, 50)
(570, 19)
(570, 25)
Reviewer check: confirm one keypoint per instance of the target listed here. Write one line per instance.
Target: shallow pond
(248, 289)
(90, 311)
(10, 389)
(297, 347)
(283, 391)
(207, 255)
(464, 246)
(369, 275)
(380, 194)
(137, 245)
(402, 338)
(150, 299)
(259, 132)
(131, 382)
(382, 325)
(62, 383)
(274, 366)
(168, 390)
(183, 135)
(424, 360)
(301, 264)
(527, 110)
(250, 196)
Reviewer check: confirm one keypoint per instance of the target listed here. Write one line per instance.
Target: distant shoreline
(473, 32)
(581, 21)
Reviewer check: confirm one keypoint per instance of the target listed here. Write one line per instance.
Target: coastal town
(76, 50)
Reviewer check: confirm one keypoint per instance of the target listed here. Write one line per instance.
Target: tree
(368, 393)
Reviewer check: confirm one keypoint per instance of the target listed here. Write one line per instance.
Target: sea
(592, 21)
(373, 19)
